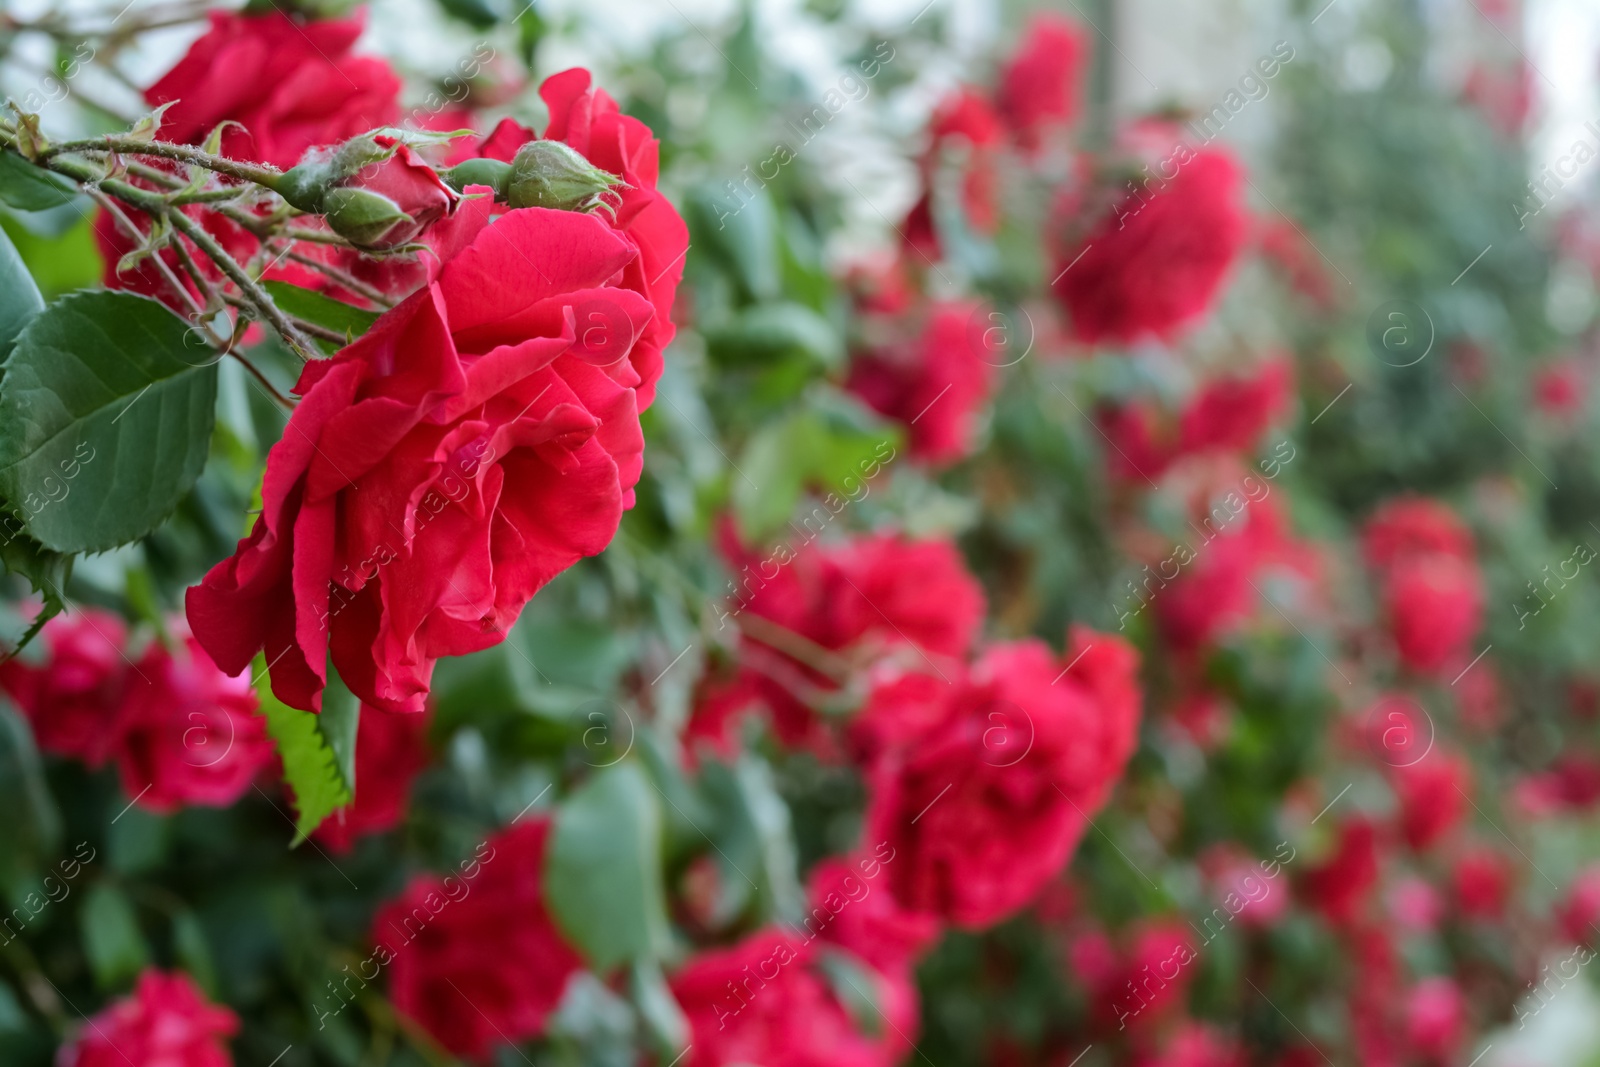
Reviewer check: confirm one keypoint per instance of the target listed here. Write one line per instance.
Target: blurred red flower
(934, 384)
(391, 749)
(1151, 266)
(473, 957)
(1039, 85)
(167, 1022)
(984, 799)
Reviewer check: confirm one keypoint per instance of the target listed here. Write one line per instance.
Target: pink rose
(167, 1022)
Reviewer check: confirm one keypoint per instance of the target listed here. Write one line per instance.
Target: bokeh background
(1377, 676)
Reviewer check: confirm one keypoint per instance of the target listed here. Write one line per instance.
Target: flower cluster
(179, 730)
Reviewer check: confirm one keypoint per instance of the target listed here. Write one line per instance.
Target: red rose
(473, 957)
(986, 804)
(1433, 797)
(1197, 1045)
(1039, 86)
(441, 469)
(190, 734)
(1482, 880)
(935, 385)
(1339, 885)
(857, 914)
(391, 749)
(73, 697)
(778, 1000)
(408, 183)
(291, 85)
(1409, 528)
(1153, 265)
(1579, 915)
(1435, 1019)
(1211, 593)
(963, 124)
(1435, 605)
(589, 121)
(166, 1022)
(1233, 412)
(860, 598)
(1559, 389)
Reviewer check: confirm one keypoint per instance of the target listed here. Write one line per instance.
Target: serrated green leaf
(603, 875)
(19, 297)
(106, 412)
(322, 310)
(30, 188)
(111, 936)
(311, 765)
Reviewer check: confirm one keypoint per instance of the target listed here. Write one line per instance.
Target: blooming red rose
(1435, 605)
(1579, 914)
(1154, 264)
(1039, 86)
(1482, 881)
(985, 803)
(1559, 390)
(934, 384)
(289, 84)
(1233, 412)
(1433, 796)
(1435, 1019)
(391, 748)
(73, 697)
(441, 469)
(1227, 414)
(167, 1022)
(189, 733)
(1340, 884)
(1432, 590)
(1570, 785)
(965, 125)
(1217, 578)
(1197, 1045)
(1408, 528)
(473, 957)
(589, 121)
(779, 1000)
(860, 598)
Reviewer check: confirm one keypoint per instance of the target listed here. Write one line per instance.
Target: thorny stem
(344, 278)
(252, 290)
(133, 146)
(128, 227)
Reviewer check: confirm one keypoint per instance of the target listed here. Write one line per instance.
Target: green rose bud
(549, 174)
(490, 172)
(362, 216)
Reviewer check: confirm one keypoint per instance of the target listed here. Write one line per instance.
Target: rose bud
(373, 190)
(491, 172)
(550, 174)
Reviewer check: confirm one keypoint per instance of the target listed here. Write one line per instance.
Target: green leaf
(768, 333)
(30, 188)
(111, 936)
(31, 831)
(19, 297)
(60, 258)
(341, 715)
(664, 1020)
(754, 840)
(322, 310)
(603, 876)
(46, 571)
(105, 419)
(311, 764)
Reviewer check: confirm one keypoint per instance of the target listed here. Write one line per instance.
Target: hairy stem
(344, 278)
(132, 146)
(292, 336)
